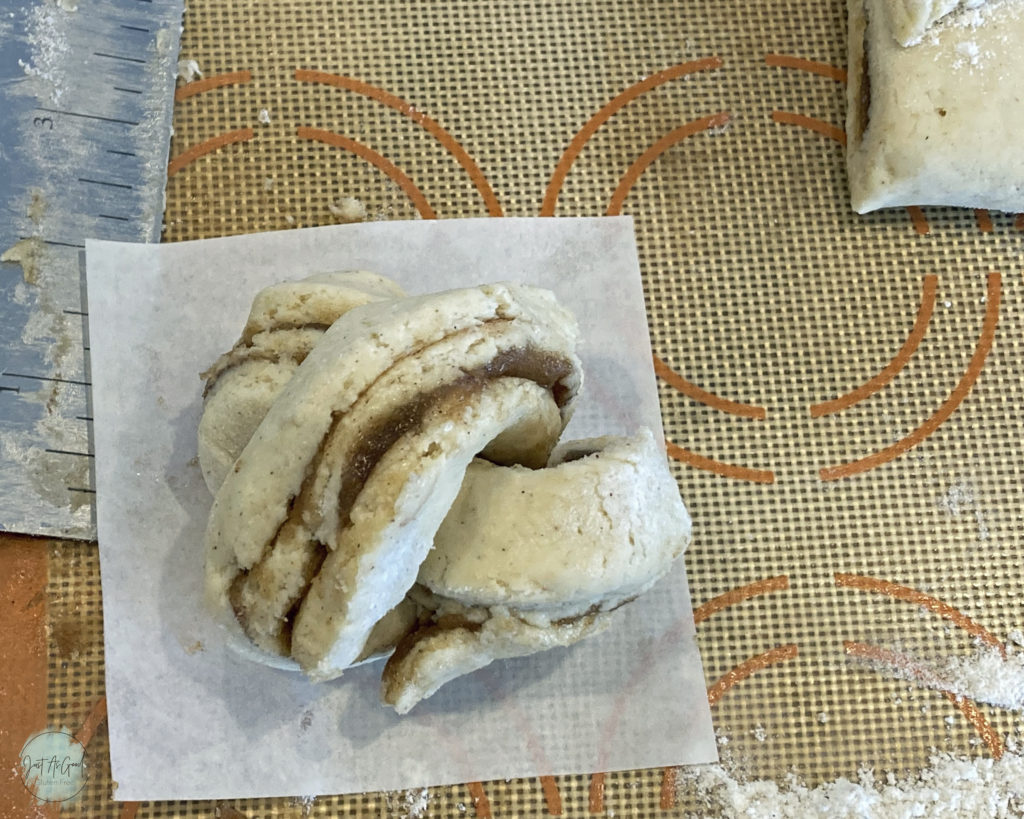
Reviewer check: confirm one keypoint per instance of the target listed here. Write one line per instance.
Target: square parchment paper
(190, 720)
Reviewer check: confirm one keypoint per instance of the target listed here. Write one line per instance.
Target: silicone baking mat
(841, 394)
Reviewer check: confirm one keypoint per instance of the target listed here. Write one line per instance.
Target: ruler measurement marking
(112, 93)
(46, 378)
(123, 57)
(88, 116)
(105, 183)
(55, 242)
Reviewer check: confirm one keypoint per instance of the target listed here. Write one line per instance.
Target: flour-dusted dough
(528, 559)
(910, 19)
(284, 324)
(319, 528)
(936, 122)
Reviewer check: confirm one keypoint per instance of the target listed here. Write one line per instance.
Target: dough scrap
(936, 122)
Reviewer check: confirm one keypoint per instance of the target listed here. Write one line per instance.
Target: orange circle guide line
(692, 391)
(932, 604)
(747, 667)
(191, 89)
(630, 177)
(812, 66)
(949, 406)
(984, 220)
(900, 662)
(481, 804)
(605, 113)
(449, 142)
(389, 168)
(918, 220)
(924, 313)
(129, 810)
(741, 473)
(92, 721)
(207, 147)
(667, 799)
(595, 794)
(1019, 221)
(967, 707)
(552, 797)
(816, 125)
(739, 594)
(974, 716)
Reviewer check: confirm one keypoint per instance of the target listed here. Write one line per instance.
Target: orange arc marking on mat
(974, 716)
(668, 789)
(449, 142)
(966, 706)
(812, 66)
(209, 146)
(630, 177)
(691, 390)
(924, 313)
(741, 473)
(595, 794)
(933, 604)
(918, 220)
(481, 804)
(816, 125)
(191, 89)
(93, 720)
(1019, 221)
(605, 113)
(129, 810)
(949, 406)
(552, 797)
(984, 220)
(739, 594)
(375, 159)
(747, 667)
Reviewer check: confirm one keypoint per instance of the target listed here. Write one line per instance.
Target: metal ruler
(87, 92)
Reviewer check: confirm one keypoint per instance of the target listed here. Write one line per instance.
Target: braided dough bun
(320, 526)
(284, 324)
(528, 559)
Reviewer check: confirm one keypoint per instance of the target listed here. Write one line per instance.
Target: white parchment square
(190, 720)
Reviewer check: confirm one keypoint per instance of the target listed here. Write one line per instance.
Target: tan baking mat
(884, 524)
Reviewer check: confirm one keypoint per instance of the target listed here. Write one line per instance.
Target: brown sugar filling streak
(244, 351)
(529, 363)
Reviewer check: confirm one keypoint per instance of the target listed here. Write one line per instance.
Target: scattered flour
(188, 70)
(410, 804)
(988, 675)
(264, 116)
(348, 209)
(962, 498)
(46, 27)
(949, 787)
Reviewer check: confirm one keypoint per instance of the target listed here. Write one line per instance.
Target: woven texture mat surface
(841, 394)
